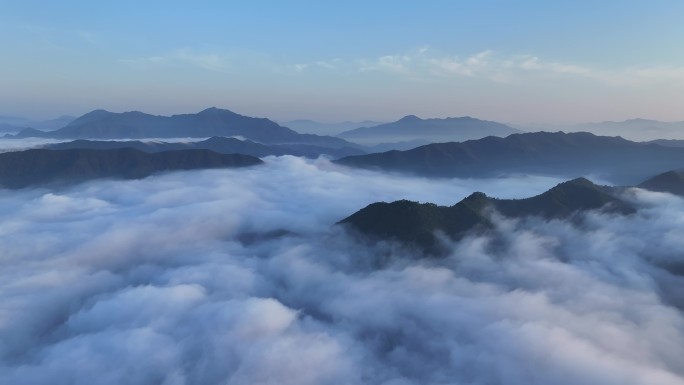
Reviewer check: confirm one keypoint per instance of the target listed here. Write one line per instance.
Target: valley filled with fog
(241, 276)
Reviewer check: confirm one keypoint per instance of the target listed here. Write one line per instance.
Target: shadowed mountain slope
(670, 182)
(58, 167)
(543, 153)
(216, 144)
(416, 224)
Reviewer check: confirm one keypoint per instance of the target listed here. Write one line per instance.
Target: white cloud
(152, 281)
(209, 61)
(205, 60)
(426, 63)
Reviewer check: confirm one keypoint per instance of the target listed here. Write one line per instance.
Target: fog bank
(240, 277)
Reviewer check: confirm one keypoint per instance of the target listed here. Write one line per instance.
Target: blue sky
(511, 61)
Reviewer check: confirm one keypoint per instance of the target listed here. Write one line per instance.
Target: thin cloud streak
(426, 64)
(489, 65)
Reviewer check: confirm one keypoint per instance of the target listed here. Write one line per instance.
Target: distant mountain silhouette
(668, 142)
(636, 129)
(416, 224)
(101, 124)
(670, 182)
(320, 128)
(401, 146)
(218, 144)
(411, 127)
(633, 129)
(542, 153)
(57, 167)
(12, 124)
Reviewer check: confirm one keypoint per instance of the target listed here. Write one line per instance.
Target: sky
(510, 61)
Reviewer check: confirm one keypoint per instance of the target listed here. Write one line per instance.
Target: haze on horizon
(515, 62)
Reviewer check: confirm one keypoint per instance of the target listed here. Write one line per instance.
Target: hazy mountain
(101, 124)
(636, 129)
(8, 128)
(313, 127)
(668, 142)
(671, 182)
(13, 120)
(418, 224)
(639, 130)
(11, 124)
(412, 127)
(401, 146)
(217, 144)
(56, 167)
(543, 153)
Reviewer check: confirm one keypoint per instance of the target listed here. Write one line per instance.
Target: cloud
(206, 59)
(154, 281)
(209, 61)
(426, 63)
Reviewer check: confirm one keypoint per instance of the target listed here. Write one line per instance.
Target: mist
(241, 277)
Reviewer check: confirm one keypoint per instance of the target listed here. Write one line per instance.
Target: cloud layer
(239, 277)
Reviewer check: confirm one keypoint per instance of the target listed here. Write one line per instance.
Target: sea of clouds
(242, 277)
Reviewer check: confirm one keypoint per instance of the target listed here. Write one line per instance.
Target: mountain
(401, 146)
(542, 153)
(57, 167)
(411, 128)
(313, 127)
(668, 142)
(16, 124)
(4, 127)
(670, 182)
(638, 130)
(217, 144)
(101, 124)
(417, 224)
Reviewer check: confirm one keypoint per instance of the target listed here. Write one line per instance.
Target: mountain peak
(216, 111)
(90, 117)
(414, 223)
(670, 182)
(410, 118)
(581, 181)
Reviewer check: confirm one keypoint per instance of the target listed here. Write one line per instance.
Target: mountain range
(308, 126)
(217, 144)
(411, 127)
(101, 124)
(12, 124)
(569, 155)
(43, 167)
(638, 130)
(421, 224)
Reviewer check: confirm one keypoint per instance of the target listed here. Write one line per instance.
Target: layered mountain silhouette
(417, 224)
(542, 153)
(101, 124)
(13, 124)
(411, 128)
(668, 142)
(636, 129)
(43, 167)
(218, 144)
(313, 127)
(670, 182)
